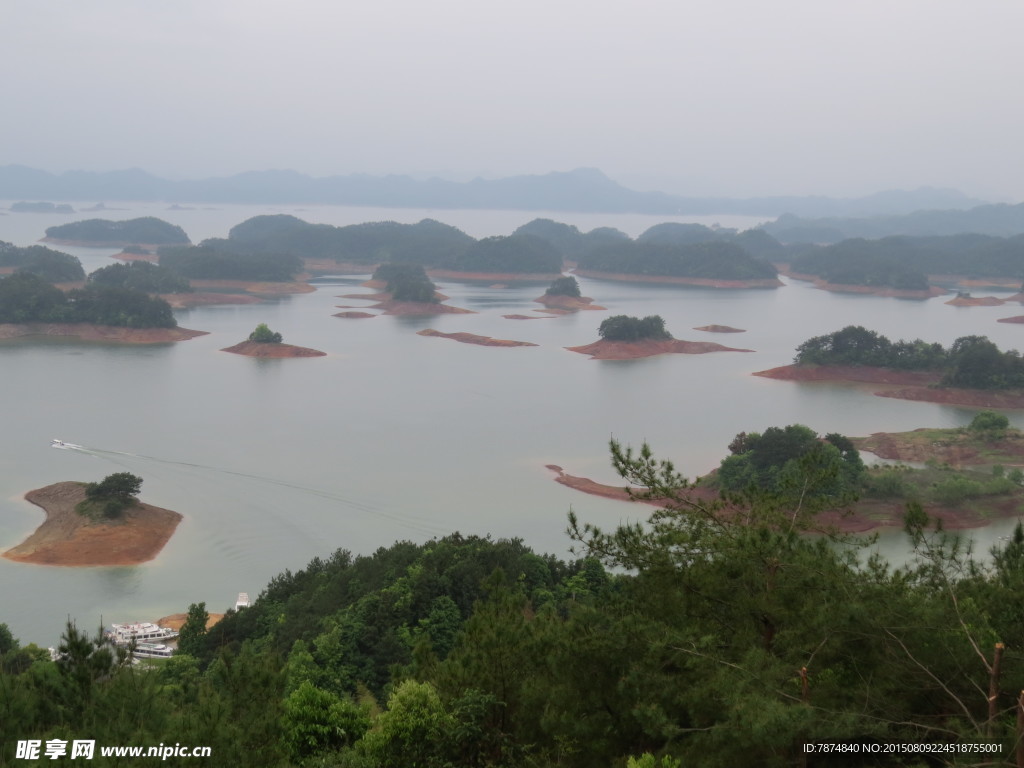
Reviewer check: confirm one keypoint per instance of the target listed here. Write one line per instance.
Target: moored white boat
(152, 651)
(141, 632)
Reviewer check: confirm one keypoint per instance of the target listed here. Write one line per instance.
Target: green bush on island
(141, 276)
(627, 328)
(774, 460)
(147, 229)
(263, 335)
(27, 298)
(112, 495)
(971, 362)
(564, 286)
(406, 282)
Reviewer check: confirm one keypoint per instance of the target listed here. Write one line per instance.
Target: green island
(623, 337)
(904, 263)
(147, 230)
(972, 371)
(53, 266)
(714, 633)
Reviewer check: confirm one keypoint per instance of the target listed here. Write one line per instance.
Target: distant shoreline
(89, 332)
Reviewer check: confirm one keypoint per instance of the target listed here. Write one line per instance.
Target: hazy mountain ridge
(583, 189)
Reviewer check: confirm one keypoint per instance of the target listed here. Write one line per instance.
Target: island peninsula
(68, 538)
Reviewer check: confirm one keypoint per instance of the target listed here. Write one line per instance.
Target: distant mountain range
(580, 190)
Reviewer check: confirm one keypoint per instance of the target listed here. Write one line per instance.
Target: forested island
(564, 294)
(623, 337)
(147, 230)
(471, 651)
(972, 371)
(904, 264)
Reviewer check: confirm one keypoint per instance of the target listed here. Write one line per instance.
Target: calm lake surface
(398, 436)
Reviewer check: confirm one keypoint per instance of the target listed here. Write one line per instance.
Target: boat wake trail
(122, 457)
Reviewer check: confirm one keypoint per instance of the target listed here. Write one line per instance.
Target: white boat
(58, 443)
(152, 651)
(242, 601)
(142, 632)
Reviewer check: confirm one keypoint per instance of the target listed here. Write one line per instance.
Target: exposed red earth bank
(629, 350)
(277, 351)
(472, 338)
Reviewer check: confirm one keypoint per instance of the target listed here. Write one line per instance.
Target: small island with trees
(973, 371)
(564, 294)
(95, 524)
(625, 338)
(407, 291)
(265, 343)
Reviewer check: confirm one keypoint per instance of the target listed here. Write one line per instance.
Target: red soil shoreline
(696, 281)
(719, 329)
(630, 350)
(472, 338)
(904, 385)
(66, 538)
(871, 515)
(276, 351)
(87, 332)
(895, 293)
(570, 303)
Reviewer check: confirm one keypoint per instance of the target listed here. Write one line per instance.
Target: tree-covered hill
(706, 260)
(53, 266)
(905, 262)
(27, 298)
(147, 229)
(220, 260)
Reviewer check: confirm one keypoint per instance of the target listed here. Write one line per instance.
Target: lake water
(398, 436)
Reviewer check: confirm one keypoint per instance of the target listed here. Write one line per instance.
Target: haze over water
(398, 436)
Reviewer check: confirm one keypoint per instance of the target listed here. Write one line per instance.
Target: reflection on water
(396, 436)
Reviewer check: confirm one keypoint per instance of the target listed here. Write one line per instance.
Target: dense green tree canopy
(972, 362)
(141, 276)
(263, 335)
(626, 328)
(564, 286)
(714, 260)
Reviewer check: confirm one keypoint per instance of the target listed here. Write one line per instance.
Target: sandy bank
(276, 351)
(496, 277)
(527, 317)
(904, 385)
(206, 299)
(67, 538)
(570, 303)
(980, 301)
(629, 350)
(177, 620)
(354, 315)
(472, 338)
(391, 307)
(253, 286)
(700, 282)
(869, 290)
(1014, 319)
(719, 329)
(87, 332)
(957, 447)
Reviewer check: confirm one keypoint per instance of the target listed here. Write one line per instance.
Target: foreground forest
(719, 633)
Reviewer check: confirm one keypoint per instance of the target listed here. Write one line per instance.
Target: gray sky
(717, 97)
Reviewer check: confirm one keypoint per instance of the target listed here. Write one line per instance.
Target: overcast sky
(715, 97)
